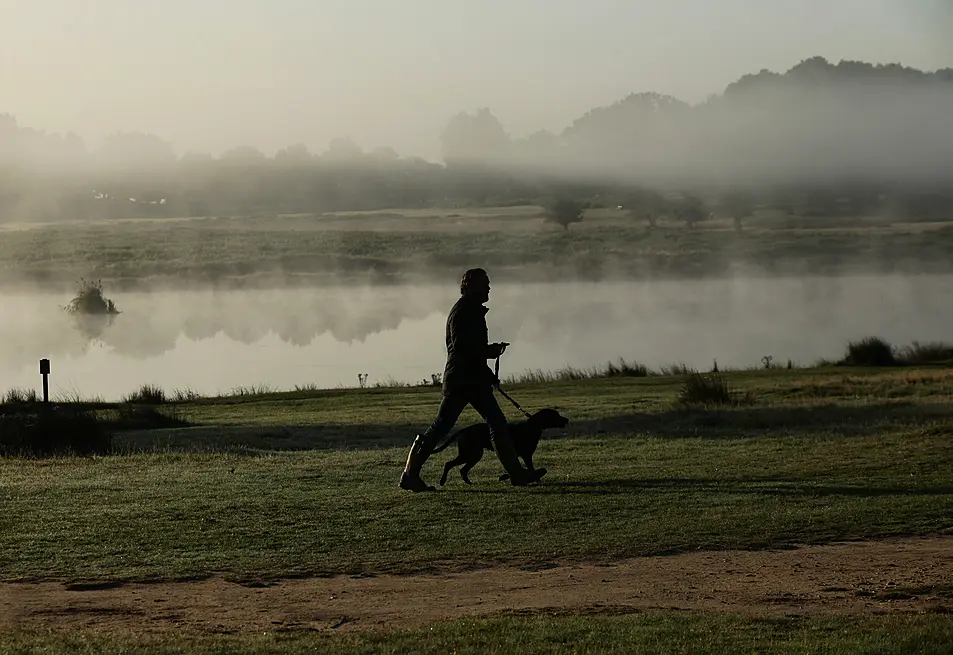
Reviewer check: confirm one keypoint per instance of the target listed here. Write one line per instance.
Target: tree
(385, 154)
(537, 149)
(296, 154)
(475, 139)
(136, 151)
(243, 155)
(565, 212)
(692, 210)
(631, 120)
(739, 206)
(647, 206)
(343, 149)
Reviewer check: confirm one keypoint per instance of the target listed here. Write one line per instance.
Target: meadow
(776, 509)
(260, 490)
(408, 246)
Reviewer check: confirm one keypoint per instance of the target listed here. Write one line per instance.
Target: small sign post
(45, 372)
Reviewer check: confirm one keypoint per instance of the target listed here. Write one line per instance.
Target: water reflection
(214, 341)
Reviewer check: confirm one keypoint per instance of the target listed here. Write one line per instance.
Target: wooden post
(45, 372)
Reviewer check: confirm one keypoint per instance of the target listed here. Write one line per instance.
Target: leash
(506, 395)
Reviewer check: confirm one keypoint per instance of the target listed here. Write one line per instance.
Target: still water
(214, 341)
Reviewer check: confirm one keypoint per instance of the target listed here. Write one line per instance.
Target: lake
(214, 341)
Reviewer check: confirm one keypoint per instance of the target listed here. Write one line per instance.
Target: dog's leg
(474, 459)
(456, 461)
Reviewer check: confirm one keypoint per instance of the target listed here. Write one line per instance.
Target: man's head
(475, 285)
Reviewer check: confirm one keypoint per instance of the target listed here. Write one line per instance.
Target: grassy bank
(262, 487)
(305, 482)
(380, 249)
(652, 633)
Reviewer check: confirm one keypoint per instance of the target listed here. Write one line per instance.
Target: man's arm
(469, 334)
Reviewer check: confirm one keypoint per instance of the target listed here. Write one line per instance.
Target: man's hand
(494, 350)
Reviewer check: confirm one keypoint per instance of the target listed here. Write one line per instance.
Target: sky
(209, 75)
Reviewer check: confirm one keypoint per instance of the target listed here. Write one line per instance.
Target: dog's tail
(443, 446)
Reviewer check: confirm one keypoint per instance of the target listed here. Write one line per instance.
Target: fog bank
(216, 341)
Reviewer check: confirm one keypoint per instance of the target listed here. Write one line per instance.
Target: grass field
(814, 515)
(635, 634)
(514, 242)
(261, 489)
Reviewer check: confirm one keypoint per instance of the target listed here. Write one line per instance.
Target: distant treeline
(820, 139)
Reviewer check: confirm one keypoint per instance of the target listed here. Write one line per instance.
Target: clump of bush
(90, 301)
(41, 430)
(675, 369)
(870, 351)
(708, 389)
(191, 395)
(874, 351)
(926, 353)
(626, 369)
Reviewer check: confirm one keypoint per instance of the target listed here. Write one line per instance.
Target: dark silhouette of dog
(474, 439)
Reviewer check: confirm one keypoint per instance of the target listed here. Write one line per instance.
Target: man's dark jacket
(467, 348)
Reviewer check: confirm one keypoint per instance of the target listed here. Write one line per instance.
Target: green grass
(261, 486)
(650, 633)
(571, 373)
(269, 516)
(516, 247)
(265, 484)
(305, 482)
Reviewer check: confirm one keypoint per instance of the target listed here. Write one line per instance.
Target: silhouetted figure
(467, 380)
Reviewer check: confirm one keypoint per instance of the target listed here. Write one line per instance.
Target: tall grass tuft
(21, 396)
(253, 390)
(75, 397)
(926, 353)
(147, 394)
(711, 389)
(626, 369)
(185, 395)
(675, 369)
(90, 301)
(572, 374)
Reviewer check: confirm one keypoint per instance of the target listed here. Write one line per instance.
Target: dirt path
(904, 575)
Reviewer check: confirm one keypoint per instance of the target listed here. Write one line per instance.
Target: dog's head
(548, 418)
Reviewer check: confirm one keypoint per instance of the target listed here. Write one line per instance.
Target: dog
(474, 439)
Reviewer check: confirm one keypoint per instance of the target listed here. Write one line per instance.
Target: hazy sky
(212, 74)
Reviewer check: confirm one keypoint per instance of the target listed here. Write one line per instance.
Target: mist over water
(214, 341)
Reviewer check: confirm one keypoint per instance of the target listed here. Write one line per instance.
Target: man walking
(467, 380)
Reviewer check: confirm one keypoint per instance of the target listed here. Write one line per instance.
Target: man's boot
(410, 478)
(519, 476)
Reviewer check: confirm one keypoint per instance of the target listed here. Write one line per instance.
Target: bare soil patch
(898, 575)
